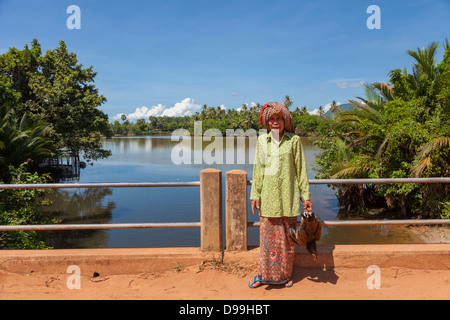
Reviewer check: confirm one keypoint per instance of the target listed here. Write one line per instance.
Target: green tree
(399, 130)
(56, 89)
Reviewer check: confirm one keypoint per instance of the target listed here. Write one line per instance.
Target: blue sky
(172, 56)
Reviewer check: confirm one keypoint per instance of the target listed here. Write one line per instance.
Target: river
(151, 159)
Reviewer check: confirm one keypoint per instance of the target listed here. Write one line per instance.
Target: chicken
(310, 231)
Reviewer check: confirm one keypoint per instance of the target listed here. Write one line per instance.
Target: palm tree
(334, 107)
(321, 111)
(423, 158)
(204, 113)
(304, 111)
(426, 79)
(237, 122)
(220, 113)
(21, 139)
(426, 62)
(369, 108)
(287, 102)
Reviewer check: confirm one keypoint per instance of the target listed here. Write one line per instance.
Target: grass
(235, 267)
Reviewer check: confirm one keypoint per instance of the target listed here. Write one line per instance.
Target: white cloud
(346, 84)
(184, 108)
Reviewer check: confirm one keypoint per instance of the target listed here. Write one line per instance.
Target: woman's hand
(255, 204)
(307, 205)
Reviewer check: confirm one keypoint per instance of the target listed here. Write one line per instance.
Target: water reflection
(80, 206)
(149, 159)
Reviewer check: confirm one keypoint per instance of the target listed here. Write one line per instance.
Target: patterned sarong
(277, 249)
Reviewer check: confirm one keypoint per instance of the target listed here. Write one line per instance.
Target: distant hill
(342, 107)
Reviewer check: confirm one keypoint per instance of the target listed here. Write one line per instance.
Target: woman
(279, 175)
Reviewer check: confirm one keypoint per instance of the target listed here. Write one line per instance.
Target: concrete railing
(236, 222)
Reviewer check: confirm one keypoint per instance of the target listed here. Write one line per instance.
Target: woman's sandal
(289, 284)
(254, 281)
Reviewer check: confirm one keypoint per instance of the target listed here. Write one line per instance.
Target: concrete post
(211, 209)
(236, 210)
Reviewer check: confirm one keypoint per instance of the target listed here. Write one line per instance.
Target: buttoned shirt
(279, 175)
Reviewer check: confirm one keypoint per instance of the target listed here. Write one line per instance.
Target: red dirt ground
(209, 283)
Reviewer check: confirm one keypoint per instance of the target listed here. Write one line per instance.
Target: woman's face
(276, 122)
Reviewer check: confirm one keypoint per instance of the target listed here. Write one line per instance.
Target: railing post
(236, 210)
(211, 209)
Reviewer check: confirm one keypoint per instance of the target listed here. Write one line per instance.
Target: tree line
(244, 117)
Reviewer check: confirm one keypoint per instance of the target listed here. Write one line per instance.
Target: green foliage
(23, 206)
(218, 118)
(55, 89)
(399, 130)
(21, 139)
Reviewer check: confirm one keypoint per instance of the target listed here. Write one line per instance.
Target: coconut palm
(425, 154)
(370, 108)
(321, 111)
(334, 107)
(287, 102)
(425, 62)
(426, 78)
(21, 139)
(304, 111)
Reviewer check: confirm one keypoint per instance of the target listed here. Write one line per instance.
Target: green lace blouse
(279, 175)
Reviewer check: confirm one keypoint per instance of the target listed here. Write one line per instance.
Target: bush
(23, 207)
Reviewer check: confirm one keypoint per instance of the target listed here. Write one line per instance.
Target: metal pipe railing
(329, 223)
(198, 224)
(52, 227)
(376, 181)
(376, 222)
(99, 185)
(197, 183)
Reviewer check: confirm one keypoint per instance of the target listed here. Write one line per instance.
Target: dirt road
(208, 282)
